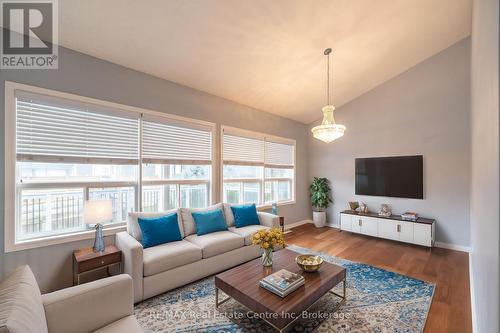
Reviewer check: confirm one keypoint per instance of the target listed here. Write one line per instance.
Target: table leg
(217, 303)
(343, 296)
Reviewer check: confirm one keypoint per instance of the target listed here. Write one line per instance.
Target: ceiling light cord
(327, 53)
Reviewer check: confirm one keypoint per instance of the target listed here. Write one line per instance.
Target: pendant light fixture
(328, 131)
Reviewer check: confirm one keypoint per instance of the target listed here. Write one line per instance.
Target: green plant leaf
(320, 193)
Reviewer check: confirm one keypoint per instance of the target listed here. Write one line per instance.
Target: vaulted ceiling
(266, 54)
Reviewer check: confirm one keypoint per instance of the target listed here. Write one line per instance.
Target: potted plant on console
(320, 200)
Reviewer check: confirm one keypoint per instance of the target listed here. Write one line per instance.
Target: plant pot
(319, 219)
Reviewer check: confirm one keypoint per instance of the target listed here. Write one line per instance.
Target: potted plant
(320, 200)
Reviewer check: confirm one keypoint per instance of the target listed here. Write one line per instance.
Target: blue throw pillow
(159, 230)
(245, 215)
(209, 221)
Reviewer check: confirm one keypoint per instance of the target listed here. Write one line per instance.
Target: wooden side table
(86, 261)
(282, 225)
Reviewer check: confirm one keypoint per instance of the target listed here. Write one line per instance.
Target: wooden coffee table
(242, 284)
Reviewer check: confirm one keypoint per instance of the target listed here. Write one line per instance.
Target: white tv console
(420, 232)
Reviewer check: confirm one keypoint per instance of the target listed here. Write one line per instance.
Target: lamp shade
(97, 211)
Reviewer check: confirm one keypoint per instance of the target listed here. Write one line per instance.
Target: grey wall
(424, 110)
(485, 165)
(87, 76)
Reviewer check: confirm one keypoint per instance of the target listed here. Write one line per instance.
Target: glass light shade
(97, 211)
(328, 131)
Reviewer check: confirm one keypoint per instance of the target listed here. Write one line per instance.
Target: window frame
(11, 188)
(261, 181)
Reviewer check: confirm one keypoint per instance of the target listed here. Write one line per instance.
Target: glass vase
(267, 257)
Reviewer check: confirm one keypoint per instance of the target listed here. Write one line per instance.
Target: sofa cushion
(209, 221)
(21, 303)
(245, 215)
(247, 232)
(228, 213)
(127, 324)
(159, 230)
(164, 257)
(217, 242)
(134, 229)
(187, 218)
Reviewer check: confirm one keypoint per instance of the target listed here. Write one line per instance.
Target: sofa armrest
(89, 306)
(268, 219)
(132, 261)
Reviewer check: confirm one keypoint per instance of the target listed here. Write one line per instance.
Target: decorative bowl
(309, 262)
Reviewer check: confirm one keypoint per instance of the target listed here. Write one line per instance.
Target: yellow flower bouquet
(268, 240)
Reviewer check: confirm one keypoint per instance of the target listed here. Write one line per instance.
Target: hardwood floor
(450, 309)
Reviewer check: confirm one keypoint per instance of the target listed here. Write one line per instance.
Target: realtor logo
(29, 34)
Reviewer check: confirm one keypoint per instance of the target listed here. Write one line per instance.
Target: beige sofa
(104, 306)
(158, 269)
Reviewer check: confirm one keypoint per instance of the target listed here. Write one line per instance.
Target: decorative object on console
(363, 208)
(309, 262)
(385, 210)
(320, 200)
(328, 131)
(268, 240)
(409, 216)
(353, 205)
(97, 212)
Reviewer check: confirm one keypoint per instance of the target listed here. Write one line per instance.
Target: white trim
(279, 204)
(472, 295)
(10, 168)
(10, 159)
(450, 246)
(296, 224)
(60, 239)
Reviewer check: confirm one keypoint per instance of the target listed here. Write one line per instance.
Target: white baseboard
(296, 224)
(472, 297)
(455, 247)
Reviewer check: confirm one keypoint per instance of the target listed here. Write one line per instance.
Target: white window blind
(56, 129)
(243, 149)
(175, 142)
(257, 150)
(279, 154)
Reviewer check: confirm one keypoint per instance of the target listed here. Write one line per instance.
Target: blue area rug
(377, 301)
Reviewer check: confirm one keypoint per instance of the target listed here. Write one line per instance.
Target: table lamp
(98, 212)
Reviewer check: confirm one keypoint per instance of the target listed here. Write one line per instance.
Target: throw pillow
(159, 230)
(209, 221)
(245, 215)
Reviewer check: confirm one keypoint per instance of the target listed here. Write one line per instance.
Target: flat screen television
(400, 176)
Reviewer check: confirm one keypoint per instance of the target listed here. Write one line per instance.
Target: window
(257, 168)
(176, 170)
(65, 149)
(68, 152)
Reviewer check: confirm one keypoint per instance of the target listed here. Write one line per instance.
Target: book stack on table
(409, 216)
(282, 282)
